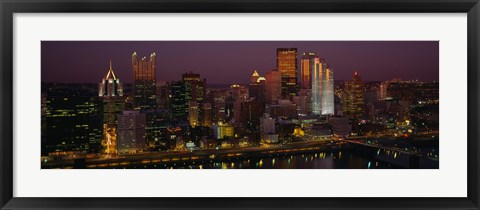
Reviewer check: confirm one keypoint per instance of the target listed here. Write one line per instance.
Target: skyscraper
(190, 89)
(354, 97)
(179, 104)
(322, 87)
(309, 62)
(163, 95)
(255, 77)
(218, 99)
(73, 119)
(110, 90)
(318, 76)
(131, 132)
(195, 93)
(144, 71)
(273, 86)
(256, 88)
(195, 87)
(328, 102)
(287, 66)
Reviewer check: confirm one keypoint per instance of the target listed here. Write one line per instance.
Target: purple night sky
(227, 62)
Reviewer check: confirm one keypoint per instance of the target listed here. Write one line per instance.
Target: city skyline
(376, 60)
(297, 115)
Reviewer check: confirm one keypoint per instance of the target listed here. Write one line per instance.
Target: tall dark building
(178, 101)
(156, 123)
(144, 87)
(287, 65)
(163, 95)
(354, 97)
(256, 89)
(195, 87)
(195, 93)
(73, 121)
(219, 99)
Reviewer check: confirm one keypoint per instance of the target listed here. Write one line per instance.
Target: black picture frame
(10, 7)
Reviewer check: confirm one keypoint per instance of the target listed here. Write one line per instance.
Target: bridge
(394, 149)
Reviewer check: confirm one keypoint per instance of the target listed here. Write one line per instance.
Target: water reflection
(322, 160)
(342, 159)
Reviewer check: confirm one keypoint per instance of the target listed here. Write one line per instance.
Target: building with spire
(255, 77)
(110, 91)
(256, 87)
(144, 79)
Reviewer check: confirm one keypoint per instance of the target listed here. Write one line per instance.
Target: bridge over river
(174, 159)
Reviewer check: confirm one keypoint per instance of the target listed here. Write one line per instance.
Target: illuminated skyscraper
(354, 97)
(309, 63)
(318, 76)
(273, 86)
(110, 90)
(322, 87)
(195, 93)
(190, 89)
(144, 88)
(287, 66)
(328, 102)
(195, 87)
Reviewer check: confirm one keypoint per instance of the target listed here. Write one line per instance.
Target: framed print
(239, 105)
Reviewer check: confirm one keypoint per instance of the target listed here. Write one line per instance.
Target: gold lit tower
(144, 82)
(287, 65)
(309, 63)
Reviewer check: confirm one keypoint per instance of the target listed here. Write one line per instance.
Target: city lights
(284, 116)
